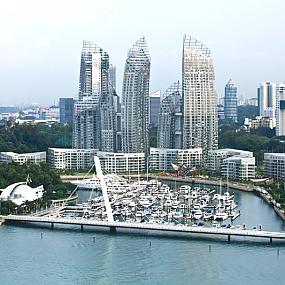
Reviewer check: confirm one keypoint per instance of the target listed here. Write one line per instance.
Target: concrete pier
(113, 226)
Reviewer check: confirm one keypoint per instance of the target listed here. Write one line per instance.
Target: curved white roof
(20, 192)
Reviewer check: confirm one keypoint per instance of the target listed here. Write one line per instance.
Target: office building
(230, 107)
(266, 94)
(66, 108)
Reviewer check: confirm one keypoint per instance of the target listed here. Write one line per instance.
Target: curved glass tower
(95, 110)
(135, 99)
(170, 118)
(199, 101)
(94, 72)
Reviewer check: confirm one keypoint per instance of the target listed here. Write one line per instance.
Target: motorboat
(221, 216)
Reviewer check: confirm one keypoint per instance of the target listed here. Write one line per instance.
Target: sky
(41, 41)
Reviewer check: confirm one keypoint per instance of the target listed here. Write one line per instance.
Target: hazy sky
(41, 42)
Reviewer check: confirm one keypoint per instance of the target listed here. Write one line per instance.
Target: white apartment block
(161, 158)
(238, 167)
(274, 165)
(112, 162)
(267, 99)
(34, 157)
(259, 122)
(216, 157)
(71, 158)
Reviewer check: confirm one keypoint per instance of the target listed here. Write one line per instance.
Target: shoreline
(234, 185)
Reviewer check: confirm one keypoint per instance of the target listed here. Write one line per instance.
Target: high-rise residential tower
(199, 99)
(280, 109)
(154, 106)
(135, 99)
(266, 94)
(95, 110)
(169, 133)
(230, 107)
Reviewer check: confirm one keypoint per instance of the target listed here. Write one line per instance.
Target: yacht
(221, 216)
(198, 215)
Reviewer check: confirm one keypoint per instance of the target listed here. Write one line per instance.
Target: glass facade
(135, 100)
(169, 133)
(199, 100)
(231, 101)
(66, 107)
(95, 110)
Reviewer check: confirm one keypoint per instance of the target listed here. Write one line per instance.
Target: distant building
(50, 113)
(259, 122)
(122, 162)
(274, 165)
(230, 107)
(66, 108)
(161, 158)
(238, 167)
(252, 102)
(70, 158)
(154, 108)
(221, 112)
(266, 94)
(86, 125)
(280, 110)
(34, 157)
(217, 157)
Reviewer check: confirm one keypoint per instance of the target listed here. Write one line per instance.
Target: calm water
(73, 257)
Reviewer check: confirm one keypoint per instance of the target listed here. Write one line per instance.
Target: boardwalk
(148, 227)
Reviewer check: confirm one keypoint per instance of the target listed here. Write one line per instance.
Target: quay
(196, 180)
(113, 225)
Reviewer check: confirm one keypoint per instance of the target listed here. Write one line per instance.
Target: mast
(104, 189)
(147, 169)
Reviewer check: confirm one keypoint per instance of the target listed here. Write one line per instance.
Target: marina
(80, 257)
(117, 203)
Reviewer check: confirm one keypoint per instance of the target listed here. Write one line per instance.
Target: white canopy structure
(20, 192)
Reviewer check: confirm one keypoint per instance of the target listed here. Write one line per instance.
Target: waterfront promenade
(113, 226)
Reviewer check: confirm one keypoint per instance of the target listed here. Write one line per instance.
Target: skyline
(41, 49)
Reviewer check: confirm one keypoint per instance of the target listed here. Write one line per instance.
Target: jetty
(114, 225)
